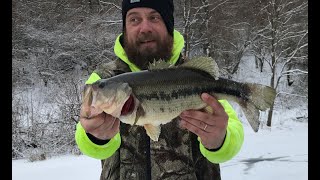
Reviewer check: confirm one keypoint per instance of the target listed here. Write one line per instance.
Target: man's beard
(142, 57)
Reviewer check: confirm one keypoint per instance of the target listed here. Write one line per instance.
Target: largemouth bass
(155, 96)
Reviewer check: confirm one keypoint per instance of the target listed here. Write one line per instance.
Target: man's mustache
(146, 37)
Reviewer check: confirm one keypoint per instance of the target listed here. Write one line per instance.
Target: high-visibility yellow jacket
(111, 150)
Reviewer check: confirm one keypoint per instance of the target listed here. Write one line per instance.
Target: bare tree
(219, 29)
(197, 18)
(284, 36)
(56, 44)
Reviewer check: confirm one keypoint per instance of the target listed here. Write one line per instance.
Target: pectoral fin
(153, 131)
(140, 112)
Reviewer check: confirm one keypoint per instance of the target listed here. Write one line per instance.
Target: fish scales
(156, 96)
(170, 84)
(169, 92)
(164, 98)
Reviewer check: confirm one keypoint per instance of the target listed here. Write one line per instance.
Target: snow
(65, 167)
(276, 153)
(279, 152)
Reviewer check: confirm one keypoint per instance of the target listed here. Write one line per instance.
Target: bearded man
(186, 149)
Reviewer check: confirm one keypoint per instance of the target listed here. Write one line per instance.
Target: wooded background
(56, 44)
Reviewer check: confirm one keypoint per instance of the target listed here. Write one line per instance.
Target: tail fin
(252, 114)
(261, 98)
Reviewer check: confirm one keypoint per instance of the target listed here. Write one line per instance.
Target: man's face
(146, 37)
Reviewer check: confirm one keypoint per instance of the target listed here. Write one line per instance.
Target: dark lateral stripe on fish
(181, 93)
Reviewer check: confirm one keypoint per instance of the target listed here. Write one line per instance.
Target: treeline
(56, 44)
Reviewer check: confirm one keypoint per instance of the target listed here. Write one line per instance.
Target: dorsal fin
(206, 64)
(160, 64)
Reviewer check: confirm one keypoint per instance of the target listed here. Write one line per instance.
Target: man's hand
(210, 127)
(102, 126)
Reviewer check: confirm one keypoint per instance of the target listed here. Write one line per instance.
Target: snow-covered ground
(280, 152)
(68, 167)
(277, 153)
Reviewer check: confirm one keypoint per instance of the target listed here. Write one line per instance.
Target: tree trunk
(273, 69)
(270, 116)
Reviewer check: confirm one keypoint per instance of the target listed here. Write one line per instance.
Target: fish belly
(158, 112)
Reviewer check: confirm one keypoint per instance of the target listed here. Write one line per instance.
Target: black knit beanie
(164, 7)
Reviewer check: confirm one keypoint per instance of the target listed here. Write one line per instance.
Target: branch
(294, 72)
(294, 52)
(281, 92)
(109, 3)
(17, 151)
(111, 22)
(218, 5)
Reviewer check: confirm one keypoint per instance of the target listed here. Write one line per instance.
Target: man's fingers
(92, 123)
(196, 130)
(89, 112)
(197, 115)
(200, 124)
(116, 125)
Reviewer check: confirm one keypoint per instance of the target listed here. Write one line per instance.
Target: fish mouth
(128, 106)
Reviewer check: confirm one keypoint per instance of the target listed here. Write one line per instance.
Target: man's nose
(145, 26)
